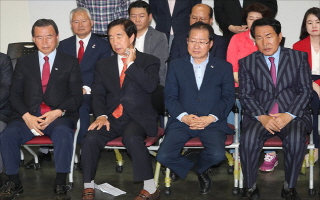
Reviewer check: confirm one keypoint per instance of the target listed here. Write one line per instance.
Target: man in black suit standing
(171, 16)
(228, 14)
(121, 101)
(45, 97)
(275, 90)
(204, 13)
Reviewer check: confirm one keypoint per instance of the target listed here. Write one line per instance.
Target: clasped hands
(275, 122)
(197, 123)
(40, 123)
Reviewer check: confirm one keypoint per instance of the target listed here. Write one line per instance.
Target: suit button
(121, 100)
(198, 99)
(276, 97)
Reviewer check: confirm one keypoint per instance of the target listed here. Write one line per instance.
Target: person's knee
(163, 157)
(132, 141)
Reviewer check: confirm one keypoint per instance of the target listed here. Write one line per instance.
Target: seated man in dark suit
(199, 94)
(89, 52)
(148, 39)
(6, 72)
(275, 90)
(91, 49)
(204, 13)
(45, 96)
(121, 101)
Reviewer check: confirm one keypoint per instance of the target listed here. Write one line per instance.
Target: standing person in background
(228, 14)
(148, 40)
(310, 43)
(172, 16)
(105, 11)
(6, 71)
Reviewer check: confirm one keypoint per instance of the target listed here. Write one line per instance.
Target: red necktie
(275, 107)
(81, 51)
(44, 81)
(119, 110)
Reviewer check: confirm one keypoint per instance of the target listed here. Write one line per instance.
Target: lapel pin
(56, 68)
(212, 66)
(94, 46)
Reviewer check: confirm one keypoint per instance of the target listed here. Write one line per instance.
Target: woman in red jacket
(310, 43)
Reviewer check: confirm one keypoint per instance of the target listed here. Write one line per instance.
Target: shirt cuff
(103, 115)
(214, 117)
(181, 115)
(87, 88)
(293, 116)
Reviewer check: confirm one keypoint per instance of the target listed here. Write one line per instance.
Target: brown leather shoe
(144, 195)
(88, 194)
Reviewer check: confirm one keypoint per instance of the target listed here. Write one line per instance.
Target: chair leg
(167, 182)
(156, 174)
(230, 168)
(312, 191)
(35, 156)
(22, 157)
(119, 167)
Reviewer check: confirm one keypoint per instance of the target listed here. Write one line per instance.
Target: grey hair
(80, 9)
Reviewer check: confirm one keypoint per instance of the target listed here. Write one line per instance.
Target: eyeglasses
(192, 42)
(196, 19)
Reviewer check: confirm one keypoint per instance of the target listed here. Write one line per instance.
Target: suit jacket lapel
(35, 69)
(147, 40)
(55, 70)
(89, 49)
(208, 74)
(72, 47)
(264, 67)
(189, 73)
(114, 73)
(282, 66)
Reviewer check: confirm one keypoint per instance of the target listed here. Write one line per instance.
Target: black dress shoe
(61, 193)
(10, 190)
(174, 176)
(41, 158)
(289, 194)
(205, 181)
(249, 194)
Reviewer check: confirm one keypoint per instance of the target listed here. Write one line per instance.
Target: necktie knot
(81, 43)
(46, 58)
(124, 60)
(271, 59)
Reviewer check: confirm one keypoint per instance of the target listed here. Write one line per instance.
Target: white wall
(17, 17)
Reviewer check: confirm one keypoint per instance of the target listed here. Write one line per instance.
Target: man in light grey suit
(148, 39)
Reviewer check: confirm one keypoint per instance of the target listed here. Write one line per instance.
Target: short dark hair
(315, 11)
(44, 23)
(210, 9)
(202, 26)
(275, 24)
(128, 26)
(257, 7)
(139, 4)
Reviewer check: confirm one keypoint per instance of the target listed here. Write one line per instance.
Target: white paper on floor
(107, 188)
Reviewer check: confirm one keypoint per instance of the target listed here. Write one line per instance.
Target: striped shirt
(105, 11)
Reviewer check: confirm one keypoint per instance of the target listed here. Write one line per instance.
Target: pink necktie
(275, 107)
(81, 51)
(119, 110)
(44, 81)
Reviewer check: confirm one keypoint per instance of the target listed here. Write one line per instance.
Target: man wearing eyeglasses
(199, 95)
(203, 13)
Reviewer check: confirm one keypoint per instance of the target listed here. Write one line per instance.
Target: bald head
(201, 12)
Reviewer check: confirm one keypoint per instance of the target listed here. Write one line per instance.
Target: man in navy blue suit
(204, 13)
(199, 95)
(95, 48)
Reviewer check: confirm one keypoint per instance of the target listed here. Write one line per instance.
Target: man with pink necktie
(275, 90)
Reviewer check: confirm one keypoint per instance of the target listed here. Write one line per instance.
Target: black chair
(16, 50)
